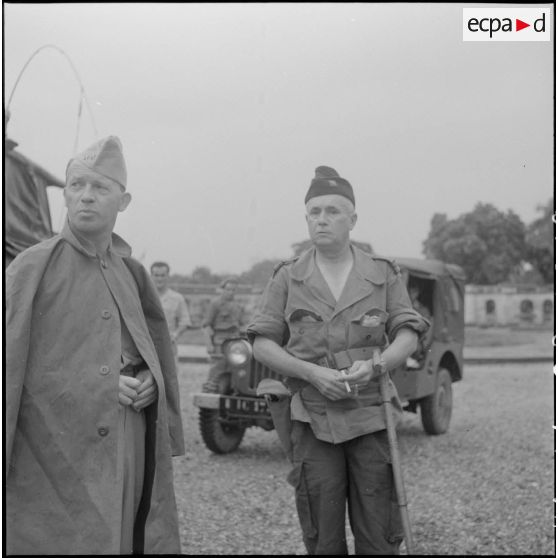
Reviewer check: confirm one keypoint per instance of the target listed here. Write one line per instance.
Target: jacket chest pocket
(367, 328)
(307, 330)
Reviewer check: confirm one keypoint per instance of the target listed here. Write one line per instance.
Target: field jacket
(298, 312)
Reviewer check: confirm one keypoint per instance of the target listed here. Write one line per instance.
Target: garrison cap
(105, 158)
(326, 182)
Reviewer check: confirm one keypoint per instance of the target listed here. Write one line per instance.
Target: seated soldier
(414, 360)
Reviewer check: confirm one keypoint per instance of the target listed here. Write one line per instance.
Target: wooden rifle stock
(394, 452)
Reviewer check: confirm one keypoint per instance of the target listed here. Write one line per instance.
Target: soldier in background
(174, 305)
(224, 316)
(415, 360)
(223, 320)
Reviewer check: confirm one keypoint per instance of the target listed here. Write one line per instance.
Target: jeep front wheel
(435, 409)
(218, 435)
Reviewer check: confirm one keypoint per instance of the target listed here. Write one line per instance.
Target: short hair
(159, 264)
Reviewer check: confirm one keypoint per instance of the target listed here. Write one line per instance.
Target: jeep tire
(435, 409)
(218, 435)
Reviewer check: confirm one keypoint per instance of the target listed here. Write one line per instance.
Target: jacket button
(301, 330)
(104, 370)
(103, 431)
(103, 264)
(105, 314)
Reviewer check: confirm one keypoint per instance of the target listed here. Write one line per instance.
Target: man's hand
(147, 390)
(360, 373)
(330, 383)
(127, 389)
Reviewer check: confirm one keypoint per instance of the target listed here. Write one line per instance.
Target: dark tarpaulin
(26, 209)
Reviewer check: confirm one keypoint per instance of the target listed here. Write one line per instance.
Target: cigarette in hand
(344, 372)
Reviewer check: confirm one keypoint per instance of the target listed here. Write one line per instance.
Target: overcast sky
(225, 110)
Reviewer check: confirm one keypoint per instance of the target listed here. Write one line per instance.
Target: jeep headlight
(238, 352)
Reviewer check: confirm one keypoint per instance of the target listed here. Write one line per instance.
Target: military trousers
(329, 477)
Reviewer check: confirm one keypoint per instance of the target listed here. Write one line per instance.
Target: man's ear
(354, 218)
(125, 201)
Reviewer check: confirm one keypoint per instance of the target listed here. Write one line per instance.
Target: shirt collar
(367, 267)
(117, 245)
(364, 266)
(304, 266)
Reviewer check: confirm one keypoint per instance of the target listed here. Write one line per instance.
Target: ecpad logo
(506, 24)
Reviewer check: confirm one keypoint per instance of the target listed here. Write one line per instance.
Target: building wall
(509, 305)
(512, 305)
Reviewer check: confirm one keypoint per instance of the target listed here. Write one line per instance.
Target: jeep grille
(247, 385)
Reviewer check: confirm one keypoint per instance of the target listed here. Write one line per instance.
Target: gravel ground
(484, 488)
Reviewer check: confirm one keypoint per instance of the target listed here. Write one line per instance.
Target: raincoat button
(105, 314)
(103, 431)
(104, 370)
(103, 264)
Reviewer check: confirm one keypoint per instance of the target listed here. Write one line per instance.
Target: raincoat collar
(117, 245)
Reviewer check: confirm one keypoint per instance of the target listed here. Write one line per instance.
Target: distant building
(485, 305)
(509, 305)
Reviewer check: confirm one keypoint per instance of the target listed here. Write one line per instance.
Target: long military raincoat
(63, 348)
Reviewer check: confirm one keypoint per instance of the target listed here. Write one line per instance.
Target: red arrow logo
(519, 25)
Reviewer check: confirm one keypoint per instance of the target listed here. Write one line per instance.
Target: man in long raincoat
(92, 407)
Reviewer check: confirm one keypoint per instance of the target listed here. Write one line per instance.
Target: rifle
(394, 451)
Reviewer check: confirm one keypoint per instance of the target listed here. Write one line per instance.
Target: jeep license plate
(242, 407)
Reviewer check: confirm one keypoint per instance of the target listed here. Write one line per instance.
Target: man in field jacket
(316, 324)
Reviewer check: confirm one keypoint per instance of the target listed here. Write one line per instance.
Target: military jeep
(228, 406)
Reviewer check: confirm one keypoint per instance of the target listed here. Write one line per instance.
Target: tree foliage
(259, 273)
(203, 275)
(539, 238)
(487, 243)
(490, 245)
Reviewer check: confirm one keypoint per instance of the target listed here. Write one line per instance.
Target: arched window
(526, 306)
(526, 310)
(490, 307)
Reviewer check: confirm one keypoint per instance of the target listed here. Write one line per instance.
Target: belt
(344, 359)
(133, 369)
